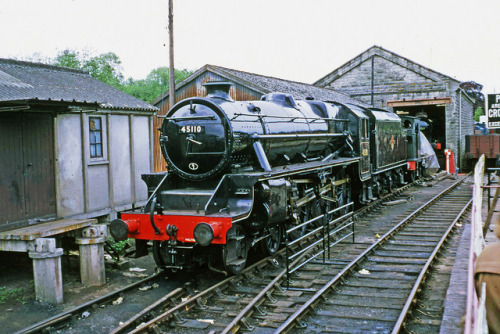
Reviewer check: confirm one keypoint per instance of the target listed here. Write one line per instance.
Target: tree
(155, 84)
(478, 112)
(105, 67)
(68, 58)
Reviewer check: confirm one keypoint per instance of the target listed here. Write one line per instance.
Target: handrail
(472, 312)
(326, 234)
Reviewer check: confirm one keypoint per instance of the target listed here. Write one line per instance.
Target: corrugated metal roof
(20, 80)
(266, 84)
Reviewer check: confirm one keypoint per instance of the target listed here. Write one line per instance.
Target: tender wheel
(235, 251)
(271, 244)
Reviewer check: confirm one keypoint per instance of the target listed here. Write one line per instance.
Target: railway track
(227, 306)
(256, 299)
(378, 290)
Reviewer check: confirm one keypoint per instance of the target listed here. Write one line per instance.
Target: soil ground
(18, 307)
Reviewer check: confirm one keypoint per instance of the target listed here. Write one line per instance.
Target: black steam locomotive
(240, 173)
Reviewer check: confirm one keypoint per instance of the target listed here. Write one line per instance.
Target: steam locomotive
(241, 173)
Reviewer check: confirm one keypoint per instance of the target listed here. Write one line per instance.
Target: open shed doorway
(433, 125)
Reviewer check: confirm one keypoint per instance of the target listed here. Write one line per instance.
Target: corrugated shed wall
(193, 89)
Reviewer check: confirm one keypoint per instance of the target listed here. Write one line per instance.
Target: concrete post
(91, 246)
(47, 270)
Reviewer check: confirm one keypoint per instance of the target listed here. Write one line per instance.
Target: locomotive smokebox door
(278, 191)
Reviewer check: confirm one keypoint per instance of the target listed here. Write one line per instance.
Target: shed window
(95, 131)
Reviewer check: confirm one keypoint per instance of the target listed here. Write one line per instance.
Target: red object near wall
(450, 162)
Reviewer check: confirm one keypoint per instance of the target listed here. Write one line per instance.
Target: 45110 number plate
(192, 129)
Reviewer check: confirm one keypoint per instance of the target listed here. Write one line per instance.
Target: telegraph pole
(171, 70)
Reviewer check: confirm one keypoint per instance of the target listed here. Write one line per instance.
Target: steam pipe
(261, 156)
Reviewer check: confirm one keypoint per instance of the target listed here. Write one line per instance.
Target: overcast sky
(291, 39)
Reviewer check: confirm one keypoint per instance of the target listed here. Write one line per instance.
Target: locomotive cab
(414, 158)
(359, 129)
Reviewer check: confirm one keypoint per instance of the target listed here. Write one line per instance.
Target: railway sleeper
(274, 316)
(380, 284)
(389, 303)
(360, 312)
(402, 260)
(417, 254)
(195, 324)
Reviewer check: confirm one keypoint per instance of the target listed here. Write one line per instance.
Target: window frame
(94, 140)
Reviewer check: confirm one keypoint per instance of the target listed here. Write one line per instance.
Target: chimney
(219, 89)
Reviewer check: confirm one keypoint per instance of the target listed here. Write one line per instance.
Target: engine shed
(383, 79)
(245, 86)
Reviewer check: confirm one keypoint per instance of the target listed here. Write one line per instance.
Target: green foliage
(6, 294)
(106, 67)
(120, 247)
(68, 58)
(155, 84)
(478, 112)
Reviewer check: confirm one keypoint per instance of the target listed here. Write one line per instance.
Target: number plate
(192, 129)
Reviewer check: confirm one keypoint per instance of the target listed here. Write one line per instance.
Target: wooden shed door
(27, 178)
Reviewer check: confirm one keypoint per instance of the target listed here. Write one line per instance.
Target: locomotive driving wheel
(235, 251)
(271, 244)
(308, 211)
(343, 196)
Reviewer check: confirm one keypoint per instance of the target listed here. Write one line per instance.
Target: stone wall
(391, 82)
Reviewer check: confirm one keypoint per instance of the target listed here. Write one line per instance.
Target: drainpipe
(373, 79)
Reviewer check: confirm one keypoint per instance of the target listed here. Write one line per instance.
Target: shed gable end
(386, 75)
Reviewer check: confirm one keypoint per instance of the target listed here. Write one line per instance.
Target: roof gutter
(14, 108)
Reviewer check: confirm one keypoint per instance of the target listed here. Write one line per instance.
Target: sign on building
(493, 111)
